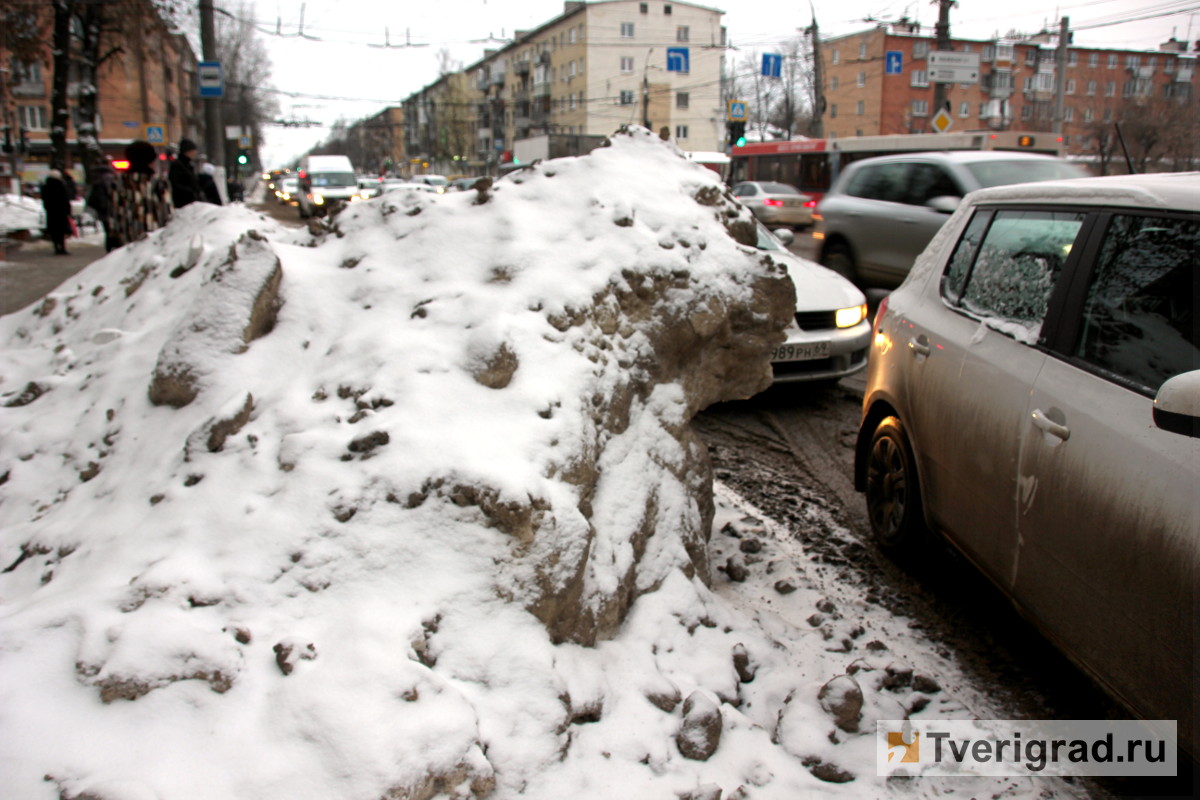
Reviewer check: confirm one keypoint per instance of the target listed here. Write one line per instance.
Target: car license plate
(801, 352)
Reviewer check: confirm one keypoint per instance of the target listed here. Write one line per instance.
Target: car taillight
(120, 165)
(811, 204)
(770, 201)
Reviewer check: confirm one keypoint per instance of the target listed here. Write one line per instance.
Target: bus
(812, 165)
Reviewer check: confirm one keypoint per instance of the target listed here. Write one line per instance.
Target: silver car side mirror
(1177, 404)
(944, 204)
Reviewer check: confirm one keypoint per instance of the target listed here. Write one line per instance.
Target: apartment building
(439, 127)
(877, 82)
(598, 66)
(151, 81)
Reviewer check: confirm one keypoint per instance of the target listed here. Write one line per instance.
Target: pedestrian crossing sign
(156, 134)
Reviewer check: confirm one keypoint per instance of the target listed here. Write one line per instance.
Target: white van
(325, 181)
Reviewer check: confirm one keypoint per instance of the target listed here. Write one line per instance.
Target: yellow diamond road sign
(942, 121)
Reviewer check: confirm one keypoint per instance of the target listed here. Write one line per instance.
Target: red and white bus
(812, 165)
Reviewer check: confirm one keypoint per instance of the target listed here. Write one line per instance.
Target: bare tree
(246, 65)
(791, 110)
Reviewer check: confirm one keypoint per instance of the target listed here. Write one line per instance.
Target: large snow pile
(20, 213)
(409, 507)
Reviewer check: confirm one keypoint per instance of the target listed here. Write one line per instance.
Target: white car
(829, 336)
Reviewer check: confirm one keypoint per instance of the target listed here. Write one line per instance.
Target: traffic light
(737, 134)
(243, 157)
(8, 145)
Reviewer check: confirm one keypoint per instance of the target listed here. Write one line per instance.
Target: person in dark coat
(185, 187)
(58, 210)
(208, 183)
(100, 201)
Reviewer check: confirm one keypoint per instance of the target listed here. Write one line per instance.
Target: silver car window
(881, 182)
(1015, 268)
(1139, 319)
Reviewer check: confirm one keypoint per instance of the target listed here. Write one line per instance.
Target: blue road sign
(772, 65)
(737, 111)
(156, 134)
(212, 83)
(677, 60)
(895, 63)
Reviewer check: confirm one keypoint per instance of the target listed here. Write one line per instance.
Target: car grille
(816, 320)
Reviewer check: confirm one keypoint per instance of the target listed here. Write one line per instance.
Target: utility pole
(1060, 77)
(214, 130)
(818, 129)
(646, 91)
(942, 44)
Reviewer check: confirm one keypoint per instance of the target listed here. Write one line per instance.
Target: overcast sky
(340, 67)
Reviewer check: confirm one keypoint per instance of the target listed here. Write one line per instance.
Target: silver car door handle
(1050, 426)
(919, 347)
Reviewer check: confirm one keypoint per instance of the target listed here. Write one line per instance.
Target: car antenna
(1124, 149)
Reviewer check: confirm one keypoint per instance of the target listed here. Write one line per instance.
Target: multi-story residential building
(439, 127)
(872, 90)
(601, 65)
(375, 144)
(150, 81)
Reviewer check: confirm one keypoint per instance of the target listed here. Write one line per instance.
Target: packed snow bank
(317, 516)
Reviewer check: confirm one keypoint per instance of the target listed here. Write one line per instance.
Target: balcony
(497, 78)
(521, 68)
(28, 89)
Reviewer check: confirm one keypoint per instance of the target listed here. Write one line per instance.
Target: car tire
(893, 490)
(840, 258)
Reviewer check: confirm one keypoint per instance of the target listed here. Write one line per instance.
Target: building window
(571, 36)
(989, 53)
(920, 78)
(1110, 89)
(835, 57)
(964, 109)
(1026, 112)
(626, 97)
(571, 102)
(1069, 114)
(681, 131)
(571, 70)
(1088, 114)
(1168, 65)
(681, 99)
(920, 49)
(32, 118)
(626, 30)
(644, 8)
(1071, 87)
(1132, 61)
(1112, 60)
(626, 64)
(681, 33)
(667, 8)
(860, 108)
(1031, 57)
(1005, 52)
(1093, 59)
(862, 79)
(920, 108)
(833, 111)
(1108, 115)
(1091, 88)
(862, 50)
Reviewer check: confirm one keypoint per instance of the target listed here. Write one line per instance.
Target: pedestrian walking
(185, 186)
(57, 204)
(208, 183)
(100, 201)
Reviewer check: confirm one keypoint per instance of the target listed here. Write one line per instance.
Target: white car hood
(818, 288)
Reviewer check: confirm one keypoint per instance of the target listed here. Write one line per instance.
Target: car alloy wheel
(893, 496)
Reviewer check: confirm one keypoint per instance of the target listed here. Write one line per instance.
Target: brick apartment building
(1016, 90)
(152, 81)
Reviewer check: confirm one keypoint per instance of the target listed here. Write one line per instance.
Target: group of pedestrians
(132, 202)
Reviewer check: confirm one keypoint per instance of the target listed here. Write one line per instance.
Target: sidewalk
(30, 271)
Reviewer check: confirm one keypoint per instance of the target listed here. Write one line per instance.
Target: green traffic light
(741, 142)
(243, 158)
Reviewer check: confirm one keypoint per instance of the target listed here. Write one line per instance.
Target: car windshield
(779, 188)
(333, 179)
(766, 241)
(1003, 173)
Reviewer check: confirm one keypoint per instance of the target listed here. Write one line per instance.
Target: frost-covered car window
(956, 272)
(1139, 320)
(1017, 263)
(1003, 173)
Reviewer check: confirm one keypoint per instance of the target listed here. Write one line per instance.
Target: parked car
(369, 186)
(462, 184)
(829, 335)
(776, 204)
(882, 212)
(1033, 395)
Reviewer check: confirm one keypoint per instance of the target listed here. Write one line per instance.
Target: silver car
(828, 337)
(776, 204)
(881, 212)
(1033, 395)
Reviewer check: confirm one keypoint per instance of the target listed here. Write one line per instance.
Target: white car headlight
(849, 317)
(318, 200)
